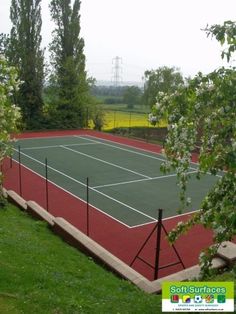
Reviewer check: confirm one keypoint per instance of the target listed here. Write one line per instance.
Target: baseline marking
(87, 135)
(57, 146)
(167, 218)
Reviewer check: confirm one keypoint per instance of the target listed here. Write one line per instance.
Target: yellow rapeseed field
(117, 119)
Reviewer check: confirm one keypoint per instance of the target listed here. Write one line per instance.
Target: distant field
(117, 119)
(123, 107)
(118, 116)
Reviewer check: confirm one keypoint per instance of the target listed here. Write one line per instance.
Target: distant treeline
(117, 94)
(103, 90)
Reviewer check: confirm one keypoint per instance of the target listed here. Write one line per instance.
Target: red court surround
(121, 241)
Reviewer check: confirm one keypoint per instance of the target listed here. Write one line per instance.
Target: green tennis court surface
(124, 182)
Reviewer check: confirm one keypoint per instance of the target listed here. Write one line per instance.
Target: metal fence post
(158, 244)
(87, 206)
(19, 163)
(46, 181)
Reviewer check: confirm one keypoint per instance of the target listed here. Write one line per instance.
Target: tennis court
(126, 188)
(125, 182)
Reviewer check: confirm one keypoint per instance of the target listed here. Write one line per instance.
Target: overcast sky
(145, 34)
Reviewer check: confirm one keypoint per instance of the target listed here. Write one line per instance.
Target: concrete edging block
(218, 262)
(227, 252)
(4, 191)
(39, 212)
(81, 241)
(16, 199)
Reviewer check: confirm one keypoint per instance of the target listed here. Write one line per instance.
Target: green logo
(221, 298)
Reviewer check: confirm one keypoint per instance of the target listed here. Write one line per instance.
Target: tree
(97, 116)
(68, 61)
(4, 43)
(25, 53)
(204, 112)
(225, 34)
(9, 112)
(164, 79)
(132, 96)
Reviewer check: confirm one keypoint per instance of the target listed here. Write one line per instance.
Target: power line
(117, 71)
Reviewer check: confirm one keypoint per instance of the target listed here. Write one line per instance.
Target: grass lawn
(39, 273)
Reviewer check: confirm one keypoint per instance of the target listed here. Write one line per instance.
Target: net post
(19, 167)
(158, 243)
(11, 161)
(87, 205)
(46, 181)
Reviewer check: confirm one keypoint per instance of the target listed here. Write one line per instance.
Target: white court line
(140, 180)
(138, 153)
(144, 224)
(127, 150)
(103, 139)
(167, 218)
(83, 184)
(39, 147)
(87, 136)
(118, 147)
(100, 142)
(101, 211)
(57, 146)
(75, 196)
(180, 215)
(106, 162)
(42, 137)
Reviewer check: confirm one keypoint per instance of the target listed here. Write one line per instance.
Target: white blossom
(152, 118)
